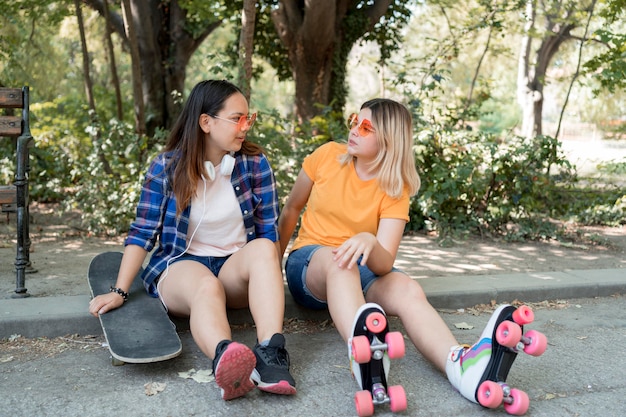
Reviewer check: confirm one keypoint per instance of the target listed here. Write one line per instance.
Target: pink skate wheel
(395, 345)
(523, 315)
(489, 394)
(397, 398)
(508, 334)
(537, 343)
(519, 404)
(361, 351)
(364, 404)
(376, 322)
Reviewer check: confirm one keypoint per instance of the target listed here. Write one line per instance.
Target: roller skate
(479, 372)
(371, 347)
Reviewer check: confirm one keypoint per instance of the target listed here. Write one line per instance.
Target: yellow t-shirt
(341, 204)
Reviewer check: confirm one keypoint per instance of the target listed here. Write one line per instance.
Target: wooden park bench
(14, 125)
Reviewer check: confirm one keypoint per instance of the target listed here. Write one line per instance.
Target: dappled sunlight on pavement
(422, 257)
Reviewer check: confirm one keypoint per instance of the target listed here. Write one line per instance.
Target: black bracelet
(121, 292)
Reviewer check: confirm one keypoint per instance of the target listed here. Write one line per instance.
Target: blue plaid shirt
(156, 220)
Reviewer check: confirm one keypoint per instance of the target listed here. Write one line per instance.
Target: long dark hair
(188, 139)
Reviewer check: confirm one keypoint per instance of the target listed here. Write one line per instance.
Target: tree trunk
(86, 68)
(129, 24)
(164, 49)
(532, 77)
(111, 53)
(315, 36)
(93, 115)
(246, 46)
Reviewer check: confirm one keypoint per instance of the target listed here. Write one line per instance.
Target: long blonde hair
(395, 161)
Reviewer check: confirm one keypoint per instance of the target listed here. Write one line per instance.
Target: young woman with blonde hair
(356, 196)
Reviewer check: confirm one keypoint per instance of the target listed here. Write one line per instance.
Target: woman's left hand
(348, 254)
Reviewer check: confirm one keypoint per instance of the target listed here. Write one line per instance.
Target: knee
(210, 288)
(413, 290)
(264, 249)
(398, 288)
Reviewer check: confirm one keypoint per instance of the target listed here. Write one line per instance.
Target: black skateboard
(139, 331)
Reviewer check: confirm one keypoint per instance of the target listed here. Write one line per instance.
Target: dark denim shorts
(296, 267)
(214, 263)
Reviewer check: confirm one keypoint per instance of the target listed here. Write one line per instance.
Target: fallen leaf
(201, 376)
(187, 374)
(153, 388)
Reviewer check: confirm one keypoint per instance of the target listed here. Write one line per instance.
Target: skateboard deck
(372, 347)
(140, 331)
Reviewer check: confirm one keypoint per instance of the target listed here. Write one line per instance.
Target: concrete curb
(58, 316)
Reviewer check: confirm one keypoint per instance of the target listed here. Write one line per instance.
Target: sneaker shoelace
(275, 355)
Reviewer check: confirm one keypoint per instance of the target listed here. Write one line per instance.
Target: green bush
(107, 191)
(476, 182)
(472, 181)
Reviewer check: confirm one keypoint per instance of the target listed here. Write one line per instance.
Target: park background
(500, 91)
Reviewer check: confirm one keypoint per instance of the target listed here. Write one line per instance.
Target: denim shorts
(296, 267)
(214, 263)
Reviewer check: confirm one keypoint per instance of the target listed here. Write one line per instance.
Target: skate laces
(457, 353)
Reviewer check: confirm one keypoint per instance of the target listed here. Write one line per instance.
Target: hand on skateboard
(140, 330)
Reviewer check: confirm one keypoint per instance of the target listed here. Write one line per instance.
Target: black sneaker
(232, 366)
(272, 367)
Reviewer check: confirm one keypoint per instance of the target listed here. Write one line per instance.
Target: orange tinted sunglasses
(364, 128)
(244, 122)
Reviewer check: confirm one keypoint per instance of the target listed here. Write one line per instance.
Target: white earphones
(226, 166)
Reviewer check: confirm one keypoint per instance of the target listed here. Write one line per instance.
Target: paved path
(580, 374)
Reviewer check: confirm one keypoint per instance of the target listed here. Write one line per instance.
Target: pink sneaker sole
(281, 388)
(233, 371)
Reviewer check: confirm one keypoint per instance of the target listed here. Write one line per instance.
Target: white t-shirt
(216, 213)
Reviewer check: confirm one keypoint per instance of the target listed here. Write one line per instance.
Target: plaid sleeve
(150, 209)
(265, 201)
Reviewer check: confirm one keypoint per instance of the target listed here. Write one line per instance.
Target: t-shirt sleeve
(312, 162)
(396, 208)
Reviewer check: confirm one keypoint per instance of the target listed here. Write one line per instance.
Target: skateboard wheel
(508, 334)
(117, 362)
(535, 343)
(523, 315)
(364, 403)
(397, 398)
(517, 402)
(395, 345)
(490, 394)
(361, 351)
(376, 322)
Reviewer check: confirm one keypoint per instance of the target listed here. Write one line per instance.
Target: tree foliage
(451, 62)
(609, 67)
(309, 42)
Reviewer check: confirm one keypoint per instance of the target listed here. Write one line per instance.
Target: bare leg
(341, 288)
(191, 290)
(253, 277)
(402, 296)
